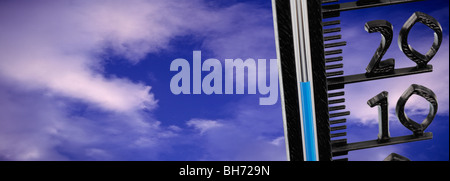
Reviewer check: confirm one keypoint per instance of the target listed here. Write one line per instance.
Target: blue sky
(90, 80)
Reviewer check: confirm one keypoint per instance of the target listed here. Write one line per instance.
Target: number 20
(377, 66)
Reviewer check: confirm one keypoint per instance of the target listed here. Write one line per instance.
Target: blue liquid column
(308, 122)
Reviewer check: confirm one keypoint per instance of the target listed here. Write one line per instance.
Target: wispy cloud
(203, 125)
(251, 133)
(59, 46)
(39, 126)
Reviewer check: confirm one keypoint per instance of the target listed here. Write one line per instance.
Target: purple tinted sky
(84, 80)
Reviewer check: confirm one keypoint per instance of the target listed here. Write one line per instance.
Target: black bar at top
(360, 4)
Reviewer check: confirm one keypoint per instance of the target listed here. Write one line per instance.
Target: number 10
(381, 100)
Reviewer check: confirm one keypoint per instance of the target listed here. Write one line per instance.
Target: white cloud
(60, 45)
(252, 132)
(34, 126)
(203, 125)
(278, 141)
(56, 46)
